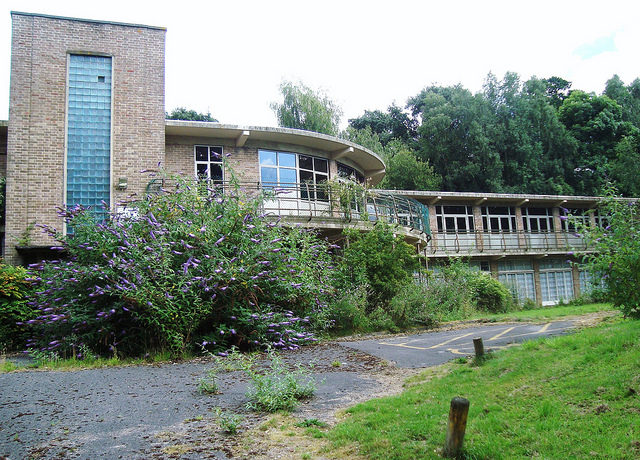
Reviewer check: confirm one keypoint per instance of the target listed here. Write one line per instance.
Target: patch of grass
(544, 313)
(8, 366)
(573, 396)
(309, 422)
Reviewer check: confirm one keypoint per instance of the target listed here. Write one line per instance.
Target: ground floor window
(517, 275)
(556, 281)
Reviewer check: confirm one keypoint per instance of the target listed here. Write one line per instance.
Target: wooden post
(478, 346)
(457, 426)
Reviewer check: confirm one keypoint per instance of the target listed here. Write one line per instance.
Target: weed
(228, 421)
(336, 364)
(208, 385)
(279, 388)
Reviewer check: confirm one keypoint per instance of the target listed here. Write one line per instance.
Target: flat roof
(93, 21)
(369, 161)
(511, 199)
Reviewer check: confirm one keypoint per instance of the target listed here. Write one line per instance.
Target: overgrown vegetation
(578, 398)
(616, 256)
(196, 266)
(15, 311)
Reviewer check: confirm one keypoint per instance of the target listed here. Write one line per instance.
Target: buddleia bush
(194, 265)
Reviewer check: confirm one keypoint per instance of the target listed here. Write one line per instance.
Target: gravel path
(154, 410)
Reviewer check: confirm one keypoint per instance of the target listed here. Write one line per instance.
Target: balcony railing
(343, 202)
(471, 242)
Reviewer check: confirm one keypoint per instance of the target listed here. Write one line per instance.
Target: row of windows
(460, 219)
(278, 169)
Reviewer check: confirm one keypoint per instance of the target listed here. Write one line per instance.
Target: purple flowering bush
(196, 265)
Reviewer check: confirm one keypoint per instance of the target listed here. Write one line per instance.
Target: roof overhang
(505, 199)
(335, 148)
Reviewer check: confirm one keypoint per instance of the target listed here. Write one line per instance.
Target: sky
(229, 57)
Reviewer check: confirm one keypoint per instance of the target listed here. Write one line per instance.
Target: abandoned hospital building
(87, 114)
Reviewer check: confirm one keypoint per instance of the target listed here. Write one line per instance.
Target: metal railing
(325, 201)
(471, 242)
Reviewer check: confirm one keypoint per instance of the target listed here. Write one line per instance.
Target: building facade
(87, 115)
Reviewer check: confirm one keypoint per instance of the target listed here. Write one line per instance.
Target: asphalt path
(433, 348)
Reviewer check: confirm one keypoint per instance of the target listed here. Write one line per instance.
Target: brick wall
(36, 136)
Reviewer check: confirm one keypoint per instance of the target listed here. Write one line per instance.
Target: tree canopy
(514, 136)
(308, 109)
(181, 113)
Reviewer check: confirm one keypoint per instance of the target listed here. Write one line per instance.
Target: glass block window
(537, 220)
(89, 132)
(209, 163)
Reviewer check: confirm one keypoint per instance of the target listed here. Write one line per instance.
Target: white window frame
(208, 162)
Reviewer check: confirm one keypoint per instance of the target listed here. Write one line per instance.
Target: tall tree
(389, 125)
(304, 108)
(596, 123)
(454, 138)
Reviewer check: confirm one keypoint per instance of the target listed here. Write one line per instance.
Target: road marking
(544, 328)
(401, 345)
(497, 336)
(451, 340)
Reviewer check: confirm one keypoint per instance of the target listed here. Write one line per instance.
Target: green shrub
(14, 309)
(196, 266)
(490, 294)
(348, 311)
(413, 307)
(378, 259)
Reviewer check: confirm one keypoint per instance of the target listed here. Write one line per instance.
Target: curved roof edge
(370, 162)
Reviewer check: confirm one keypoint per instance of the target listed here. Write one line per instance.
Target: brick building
(87, 114)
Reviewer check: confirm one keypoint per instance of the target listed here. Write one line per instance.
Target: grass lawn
(575, 396)
(545, 313)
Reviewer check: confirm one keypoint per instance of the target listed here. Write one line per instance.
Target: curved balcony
(332, 205)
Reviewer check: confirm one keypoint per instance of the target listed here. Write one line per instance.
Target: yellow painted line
(544, 328)
(451, 340)
(401, 345)
(497, 336)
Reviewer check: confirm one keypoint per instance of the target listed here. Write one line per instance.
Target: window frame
(209, 162)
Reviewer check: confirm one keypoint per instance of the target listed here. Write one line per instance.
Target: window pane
(462, 224)
(320, 165)
(449, 224)
(287, 159)
(306, 176)
(267, 158)
(216, 172)
(215, 155)
(305, 162)
(505, 224)
(287, 176)
(495, 225)
(202, 171)
(268, 175)
(543, 225)
(202, 153)
(534, 225)
(321, 178)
